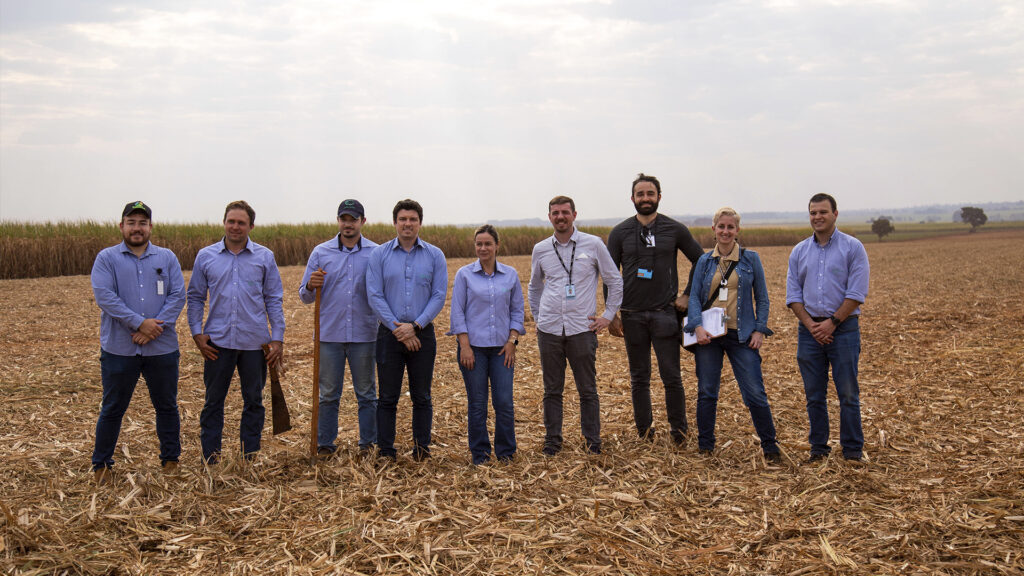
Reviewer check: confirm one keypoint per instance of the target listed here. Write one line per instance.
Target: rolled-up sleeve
(860, 274)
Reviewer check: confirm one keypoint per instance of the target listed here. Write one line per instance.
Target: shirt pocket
(250, 277)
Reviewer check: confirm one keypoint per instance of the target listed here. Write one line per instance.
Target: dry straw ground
(943, 492)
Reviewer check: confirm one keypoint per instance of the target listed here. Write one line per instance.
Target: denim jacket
(751, 283)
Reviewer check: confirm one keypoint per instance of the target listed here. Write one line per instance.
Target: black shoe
(857, 458)
(679, 438)
(648, 434)
(420, 455)
(817, 458)
(705, 452)
(324, 453)
(594, 449)
(773, 458)
(550, 450)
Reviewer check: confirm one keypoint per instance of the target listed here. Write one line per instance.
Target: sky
(484, 110)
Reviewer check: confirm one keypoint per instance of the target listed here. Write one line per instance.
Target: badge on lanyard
(570, 291)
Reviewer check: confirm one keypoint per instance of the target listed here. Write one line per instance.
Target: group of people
(377, 315)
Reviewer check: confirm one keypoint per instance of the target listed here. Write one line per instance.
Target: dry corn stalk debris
(942, 493)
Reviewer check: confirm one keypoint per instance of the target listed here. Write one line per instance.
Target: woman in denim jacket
(744, 296)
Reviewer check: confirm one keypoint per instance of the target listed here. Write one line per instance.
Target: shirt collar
(224, 246)
(733, 256)
(477, 268)
(574, 238)
(398, 245)
(358, 247)
(125, 248)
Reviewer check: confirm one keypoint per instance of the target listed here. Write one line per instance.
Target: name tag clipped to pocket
(644, 273)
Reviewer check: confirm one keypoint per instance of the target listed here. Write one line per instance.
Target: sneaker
(817, 458)
(102, 476)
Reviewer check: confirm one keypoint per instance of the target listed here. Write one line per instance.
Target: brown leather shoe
(102, 476)
(170, 467)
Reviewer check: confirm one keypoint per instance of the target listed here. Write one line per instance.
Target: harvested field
(942, 493)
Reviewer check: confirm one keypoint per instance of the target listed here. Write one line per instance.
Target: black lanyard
(572, 259)
(641, 243)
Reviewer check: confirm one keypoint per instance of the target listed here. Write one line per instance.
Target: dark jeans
(842, 354)
(746, 367)
(252, 376)
(581, 352)
(642, 330)
(120, 374)
(489, 365)
(393, 361)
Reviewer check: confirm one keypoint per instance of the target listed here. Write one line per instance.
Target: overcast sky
(485, 110)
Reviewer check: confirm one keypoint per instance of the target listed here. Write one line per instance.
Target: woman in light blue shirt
(487, 319)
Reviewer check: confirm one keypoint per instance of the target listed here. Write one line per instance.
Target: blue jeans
(252, 376)
(658, 329)
(393, 361)
(842, 354)
(360, 357)
(746, 366)
(120, 374)
(489, 365)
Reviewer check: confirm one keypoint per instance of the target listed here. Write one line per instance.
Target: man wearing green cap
(140, 291)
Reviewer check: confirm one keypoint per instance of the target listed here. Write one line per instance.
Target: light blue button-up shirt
(245, 293)
(486, 307)
(129, 289)
(345, 313)
(821, 277)
(406, 286)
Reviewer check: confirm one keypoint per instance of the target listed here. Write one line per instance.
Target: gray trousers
(581, 352)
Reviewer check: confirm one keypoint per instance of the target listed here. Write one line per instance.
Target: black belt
(823, 318)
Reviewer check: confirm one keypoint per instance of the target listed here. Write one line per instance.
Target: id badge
(160, 287)
(644, 273)
(723, 294)
(570, 291)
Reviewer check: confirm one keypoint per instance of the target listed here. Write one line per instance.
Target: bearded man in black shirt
(645, 247)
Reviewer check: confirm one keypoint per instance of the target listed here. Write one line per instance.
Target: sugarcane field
(940, 490)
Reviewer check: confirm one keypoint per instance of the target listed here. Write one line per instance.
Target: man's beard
(646, 208)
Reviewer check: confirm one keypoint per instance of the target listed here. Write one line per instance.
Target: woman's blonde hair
(726, 211)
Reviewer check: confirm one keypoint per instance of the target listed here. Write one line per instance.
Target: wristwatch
(835, 321)
(514, 341)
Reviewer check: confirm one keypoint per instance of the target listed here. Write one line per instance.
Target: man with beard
(646, 246)
(348, 326)
(140, 291)
(564, 270)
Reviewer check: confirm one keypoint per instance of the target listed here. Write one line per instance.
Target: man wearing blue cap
(140, 291)
(348, 326)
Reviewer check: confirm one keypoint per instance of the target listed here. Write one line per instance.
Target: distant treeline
(69, 248)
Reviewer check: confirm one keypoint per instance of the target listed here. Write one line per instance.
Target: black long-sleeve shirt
(630, 251)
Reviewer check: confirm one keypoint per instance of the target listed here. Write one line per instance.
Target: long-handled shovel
(315, 420)
(278, 406)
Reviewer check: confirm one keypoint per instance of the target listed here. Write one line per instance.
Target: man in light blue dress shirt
(826, 283)
(406, 282)
(348, 326)
(245, 293)
(140, 291)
